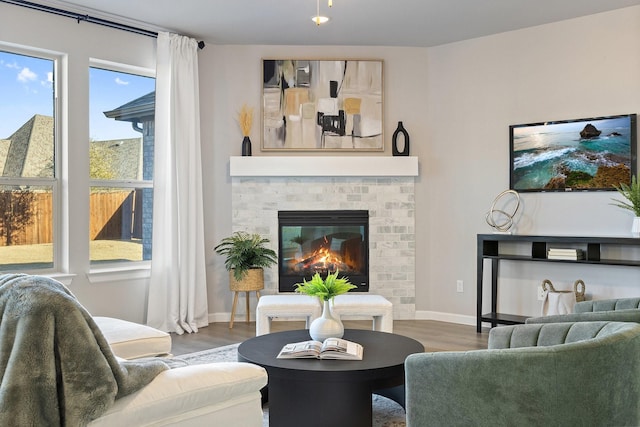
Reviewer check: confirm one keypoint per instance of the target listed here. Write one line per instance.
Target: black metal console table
(489, 248)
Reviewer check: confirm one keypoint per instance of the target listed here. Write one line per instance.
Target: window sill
(117, 273)
(64, 278)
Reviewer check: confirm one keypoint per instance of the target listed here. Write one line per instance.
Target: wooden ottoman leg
(233, 309)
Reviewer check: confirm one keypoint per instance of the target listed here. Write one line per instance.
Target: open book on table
(332, 348)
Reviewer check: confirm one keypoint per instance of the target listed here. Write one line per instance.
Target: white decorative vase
(327, 325)
(635, 227)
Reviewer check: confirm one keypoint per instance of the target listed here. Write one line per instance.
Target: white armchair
(57, 368)
(215, 394)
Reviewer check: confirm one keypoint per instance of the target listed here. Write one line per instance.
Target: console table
(489, 248)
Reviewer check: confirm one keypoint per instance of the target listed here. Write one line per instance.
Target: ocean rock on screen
(590, 131)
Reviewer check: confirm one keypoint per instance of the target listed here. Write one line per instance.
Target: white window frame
(60, 245)
(110, 271)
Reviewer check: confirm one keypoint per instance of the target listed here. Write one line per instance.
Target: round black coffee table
(312, 392)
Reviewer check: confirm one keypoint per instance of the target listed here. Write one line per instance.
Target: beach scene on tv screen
(582, 155)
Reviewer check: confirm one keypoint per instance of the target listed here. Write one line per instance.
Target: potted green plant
(328, 325)
(246, 257)
(632, 194)
(244, 251)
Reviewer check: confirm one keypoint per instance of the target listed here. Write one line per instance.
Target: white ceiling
(353, 22)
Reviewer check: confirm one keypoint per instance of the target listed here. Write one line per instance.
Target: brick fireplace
(384, 186)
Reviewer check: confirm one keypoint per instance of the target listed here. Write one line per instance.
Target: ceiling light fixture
(319, 19)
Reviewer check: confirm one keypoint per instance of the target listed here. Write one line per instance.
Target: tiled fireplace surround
(261, 186)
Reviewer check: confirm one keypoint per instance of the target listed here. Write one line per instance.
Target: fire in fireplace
(323, 242)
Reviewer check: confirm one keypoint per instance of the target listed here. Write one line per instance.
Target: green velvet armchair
(617, 310)
(560, 374)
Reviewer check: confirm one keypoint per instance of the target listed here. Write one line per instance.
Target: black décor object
(405, 135)
(246, 146)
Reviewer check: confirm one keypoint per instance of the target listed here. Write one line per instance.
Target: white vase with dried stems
(245, 120)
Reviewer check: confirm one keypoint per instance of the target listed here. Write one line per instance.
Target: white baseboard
(446, 317)
(219, 317)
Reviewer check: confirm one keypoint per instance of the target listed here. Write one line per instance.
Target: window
(28, 169)
(122, 116)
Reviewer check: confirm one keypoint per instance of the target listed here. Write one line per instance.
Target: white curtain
(178, 289)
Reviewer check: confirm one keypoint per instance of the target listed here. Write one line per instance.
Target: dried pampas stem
(245, 119)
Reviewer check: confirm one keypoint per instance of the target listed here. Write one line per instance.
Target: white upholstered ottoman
(375, 306)
(130, 340)
(270, 306)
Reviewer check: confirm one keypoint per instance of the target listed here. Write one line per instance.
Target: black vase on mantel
(400, 131)
(246, 146)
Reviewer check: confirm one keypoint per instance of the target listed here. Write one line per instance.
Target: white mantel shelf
(323, 166)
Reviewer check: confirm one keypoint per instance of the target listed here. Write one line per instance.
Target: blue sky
(26, 88)
(109, 90)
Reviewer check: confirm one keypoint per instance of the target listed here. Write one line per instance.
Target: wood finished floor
(435, 336)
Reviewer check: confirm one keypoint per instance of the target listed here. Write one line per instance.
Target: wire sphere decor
(501, 220)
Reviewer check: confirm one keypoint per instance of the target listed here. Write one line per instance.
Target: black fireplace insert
(323, 242)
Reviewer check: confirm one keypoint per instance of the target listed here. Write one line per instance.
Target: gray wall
(584, 67)
(455, 100)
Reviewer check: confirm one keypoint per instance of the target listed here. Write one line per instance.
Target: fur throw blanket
(57, 368)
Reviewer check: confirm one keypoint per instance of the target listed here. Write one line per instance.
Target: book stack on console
(570, 254)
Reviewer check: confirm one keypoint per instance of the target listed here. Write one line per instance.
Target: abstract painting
(322, 105)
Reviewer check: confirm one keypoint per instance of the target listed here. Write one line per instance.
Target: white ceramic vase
(635, 227)
(326, 326)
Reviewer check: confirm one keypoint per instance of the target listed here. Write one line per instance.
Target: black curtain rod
(87, 18)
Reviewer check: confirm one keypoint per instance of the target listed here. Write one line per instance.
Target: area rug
(386, 412)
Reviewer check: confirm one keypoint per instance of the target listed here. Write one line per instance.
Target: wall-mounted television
(593, 154)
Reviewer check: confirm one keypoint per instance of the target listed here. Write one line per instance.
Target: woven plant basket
(252, 281)
(578, 288)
